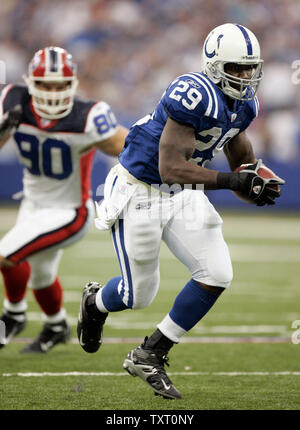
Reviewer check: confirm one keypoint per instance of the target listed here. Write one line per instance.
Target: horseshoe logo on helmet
(213, 53)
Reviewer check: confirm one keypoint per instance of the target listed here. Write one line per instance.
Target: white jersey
(56, 173)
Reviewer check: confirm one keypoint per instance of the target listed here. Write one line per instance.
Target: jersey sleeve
(101, 123)
(186, 101)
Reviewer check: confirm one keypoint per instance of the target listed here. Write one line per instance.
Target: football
(264, 172)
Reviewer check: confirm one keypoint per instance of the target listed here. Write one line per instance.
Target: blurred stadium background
(128, 51)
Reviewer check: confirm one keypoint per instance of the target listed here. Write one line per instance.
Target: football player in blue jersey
(147, 199)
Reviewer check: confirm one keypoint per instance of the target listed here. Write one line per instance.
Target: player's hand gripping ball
(264, 192)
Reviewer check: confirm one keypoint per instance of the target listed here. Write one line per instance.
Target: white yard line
(244, 329)
(188, 339)
(236, 225)
(175, 285)
(93, 250)
(128, 323)
(265, 227)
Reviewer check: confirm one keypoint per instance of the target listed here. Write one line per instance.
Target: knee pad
(219, 265)
(145, 291)
(41, 279)
(217, 268)
(44, 268)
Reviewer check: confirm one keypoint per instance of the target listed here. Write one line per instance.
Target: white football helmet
(232, 43)
(52, 65)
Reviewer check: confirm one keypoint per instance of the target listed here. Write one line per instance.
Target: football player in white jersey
(56, 134)
(198, 115)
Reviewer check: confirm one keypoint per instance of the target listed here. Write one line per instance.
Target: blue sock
(111, 297)
(191, 304)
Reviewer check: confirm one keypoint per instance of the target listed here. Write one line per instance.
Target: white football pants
(186, 222)
(40, 234)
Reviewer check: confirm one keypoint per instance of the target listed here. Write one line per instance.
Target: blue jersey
(193, 100)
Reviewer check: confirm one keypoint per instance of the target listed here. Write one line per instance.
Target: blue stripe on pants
(118, 256)
(126, 260)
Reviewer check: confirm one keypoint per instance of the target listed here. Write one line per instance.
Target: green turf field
(240, 356)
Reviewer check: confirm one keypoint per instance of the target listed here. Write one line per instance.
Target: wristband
(229, 181)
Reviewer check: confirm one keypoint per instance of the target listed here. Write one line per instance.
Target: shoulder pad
(190, 97)
(253, 107)
(75, 122)
(101, 121)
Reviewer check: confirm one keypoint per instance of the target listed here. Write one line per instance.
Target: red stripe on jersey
(51, 238)
(39, 120)
(40, 69)
(86, 162)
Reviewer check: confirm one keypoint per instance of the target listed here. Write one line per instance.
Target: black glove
(11, 121)
(250, 184)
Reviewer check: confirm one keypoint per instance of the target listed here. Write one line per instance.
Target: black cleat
(90, 319)
(51, 335)
(149, 366)
(14, 322)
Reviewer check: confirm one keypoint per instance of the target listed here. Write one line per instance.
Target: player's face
(241, 71)
(53, 87)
